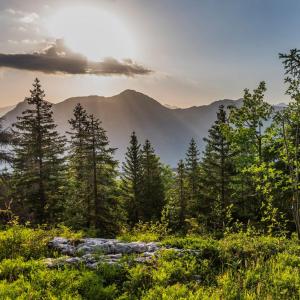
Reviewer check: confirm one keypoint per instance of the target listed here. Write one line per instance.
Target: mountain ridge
(169, 129)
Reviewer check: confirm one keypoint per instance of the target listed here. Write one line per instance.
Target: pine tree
(38, 163)
(217, 171)
(193, 179)
(5, 157)
(78, 206)
(5, 140)
(131, 180)
(92, 171)
(153, 196)
(105, 207)
(182, 194)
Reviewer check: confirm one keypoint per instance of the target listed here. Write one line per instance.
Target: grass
(238, 266)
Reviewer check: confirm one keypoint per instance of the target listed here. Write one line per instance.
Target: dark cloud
(57, 58)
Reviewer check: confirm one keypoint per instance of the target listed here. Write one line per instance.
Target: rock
(88, 258)
(58, 241)
(93, 265)
(62, 245)
(83, 249)
(49, 262)
(73, 260)
(93, 251)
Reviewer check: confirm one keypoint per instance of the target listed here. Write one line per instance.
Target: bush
(33, 280)
(18, 240)
(145, 232)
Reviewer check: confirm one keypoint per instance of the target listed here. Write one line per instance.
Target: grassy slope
(236, 267)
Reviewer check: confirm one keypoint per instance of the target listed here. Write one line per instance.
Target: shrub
(145, 232)
(19, 240)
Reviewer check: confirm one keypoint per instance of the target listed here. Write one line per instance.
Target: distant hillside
(169, 130)
(4, 110)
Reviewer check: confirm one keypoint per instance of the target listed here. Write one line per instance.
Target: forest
(236, 206)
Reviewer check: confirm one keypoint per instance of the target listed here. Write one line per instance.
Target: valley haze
(169, 129)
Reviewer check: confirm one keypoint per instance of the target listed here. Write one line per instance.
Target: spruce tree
(78, 206)
(38, 162)
(131, 180)
(153, 197)
(5, 140)
(217, 169)
(182, 193)
(5, 189)
(193, 179)
(105, 209)
(92, 171)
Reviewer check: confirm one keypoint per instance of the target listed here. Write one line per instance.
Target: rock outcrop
(93, 251)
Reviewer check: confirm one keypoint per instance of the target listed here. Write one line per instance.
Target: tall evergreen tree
(193, 179)
(5, 140)
(175, 210)
(103, 172)
(78, 206)
(132, 181)
(38, 163)
(92, 172)
(5, 157)
(153, 196)
(217, 169)
(182, 193)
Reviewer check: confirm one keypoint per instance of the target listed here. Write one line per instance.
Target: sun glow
(92, 32)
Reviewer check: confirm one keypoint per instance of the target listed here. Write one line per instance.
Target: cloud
(22, 29)
(12, 11)
(24, 17)
(26, 41)
(29, 18)
(111, 66)
(57, 58)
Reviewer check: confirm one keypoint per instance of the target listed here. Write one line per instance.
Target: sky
(182, 53)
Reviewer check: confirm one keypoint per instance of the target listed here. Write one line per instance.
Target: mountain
(169, 130)
(170, 106)
(4, 110)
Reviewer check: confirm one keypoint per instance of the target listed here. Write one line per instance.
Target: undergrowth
(238, 266)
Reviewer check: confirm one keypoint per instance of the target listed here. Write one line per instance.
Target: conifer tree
(38, 163)
(5, 140)
(182, 193)
(217, 170)
(5, 158)
(131, 180)
(175, 210)
(104, 205)
(153, 196)
(78, 206)
(193, 178)
(92, 170)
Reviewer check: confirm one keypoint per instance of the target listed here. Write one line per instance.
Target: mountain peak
(130, 92)
(133, 97)
(169, 130)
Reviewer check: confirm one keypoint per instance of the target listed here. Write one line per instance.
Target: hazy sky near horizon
(181, 53)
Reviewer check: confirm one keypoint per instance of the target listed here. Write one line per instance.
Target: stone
(93, 251)
(73, 260)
